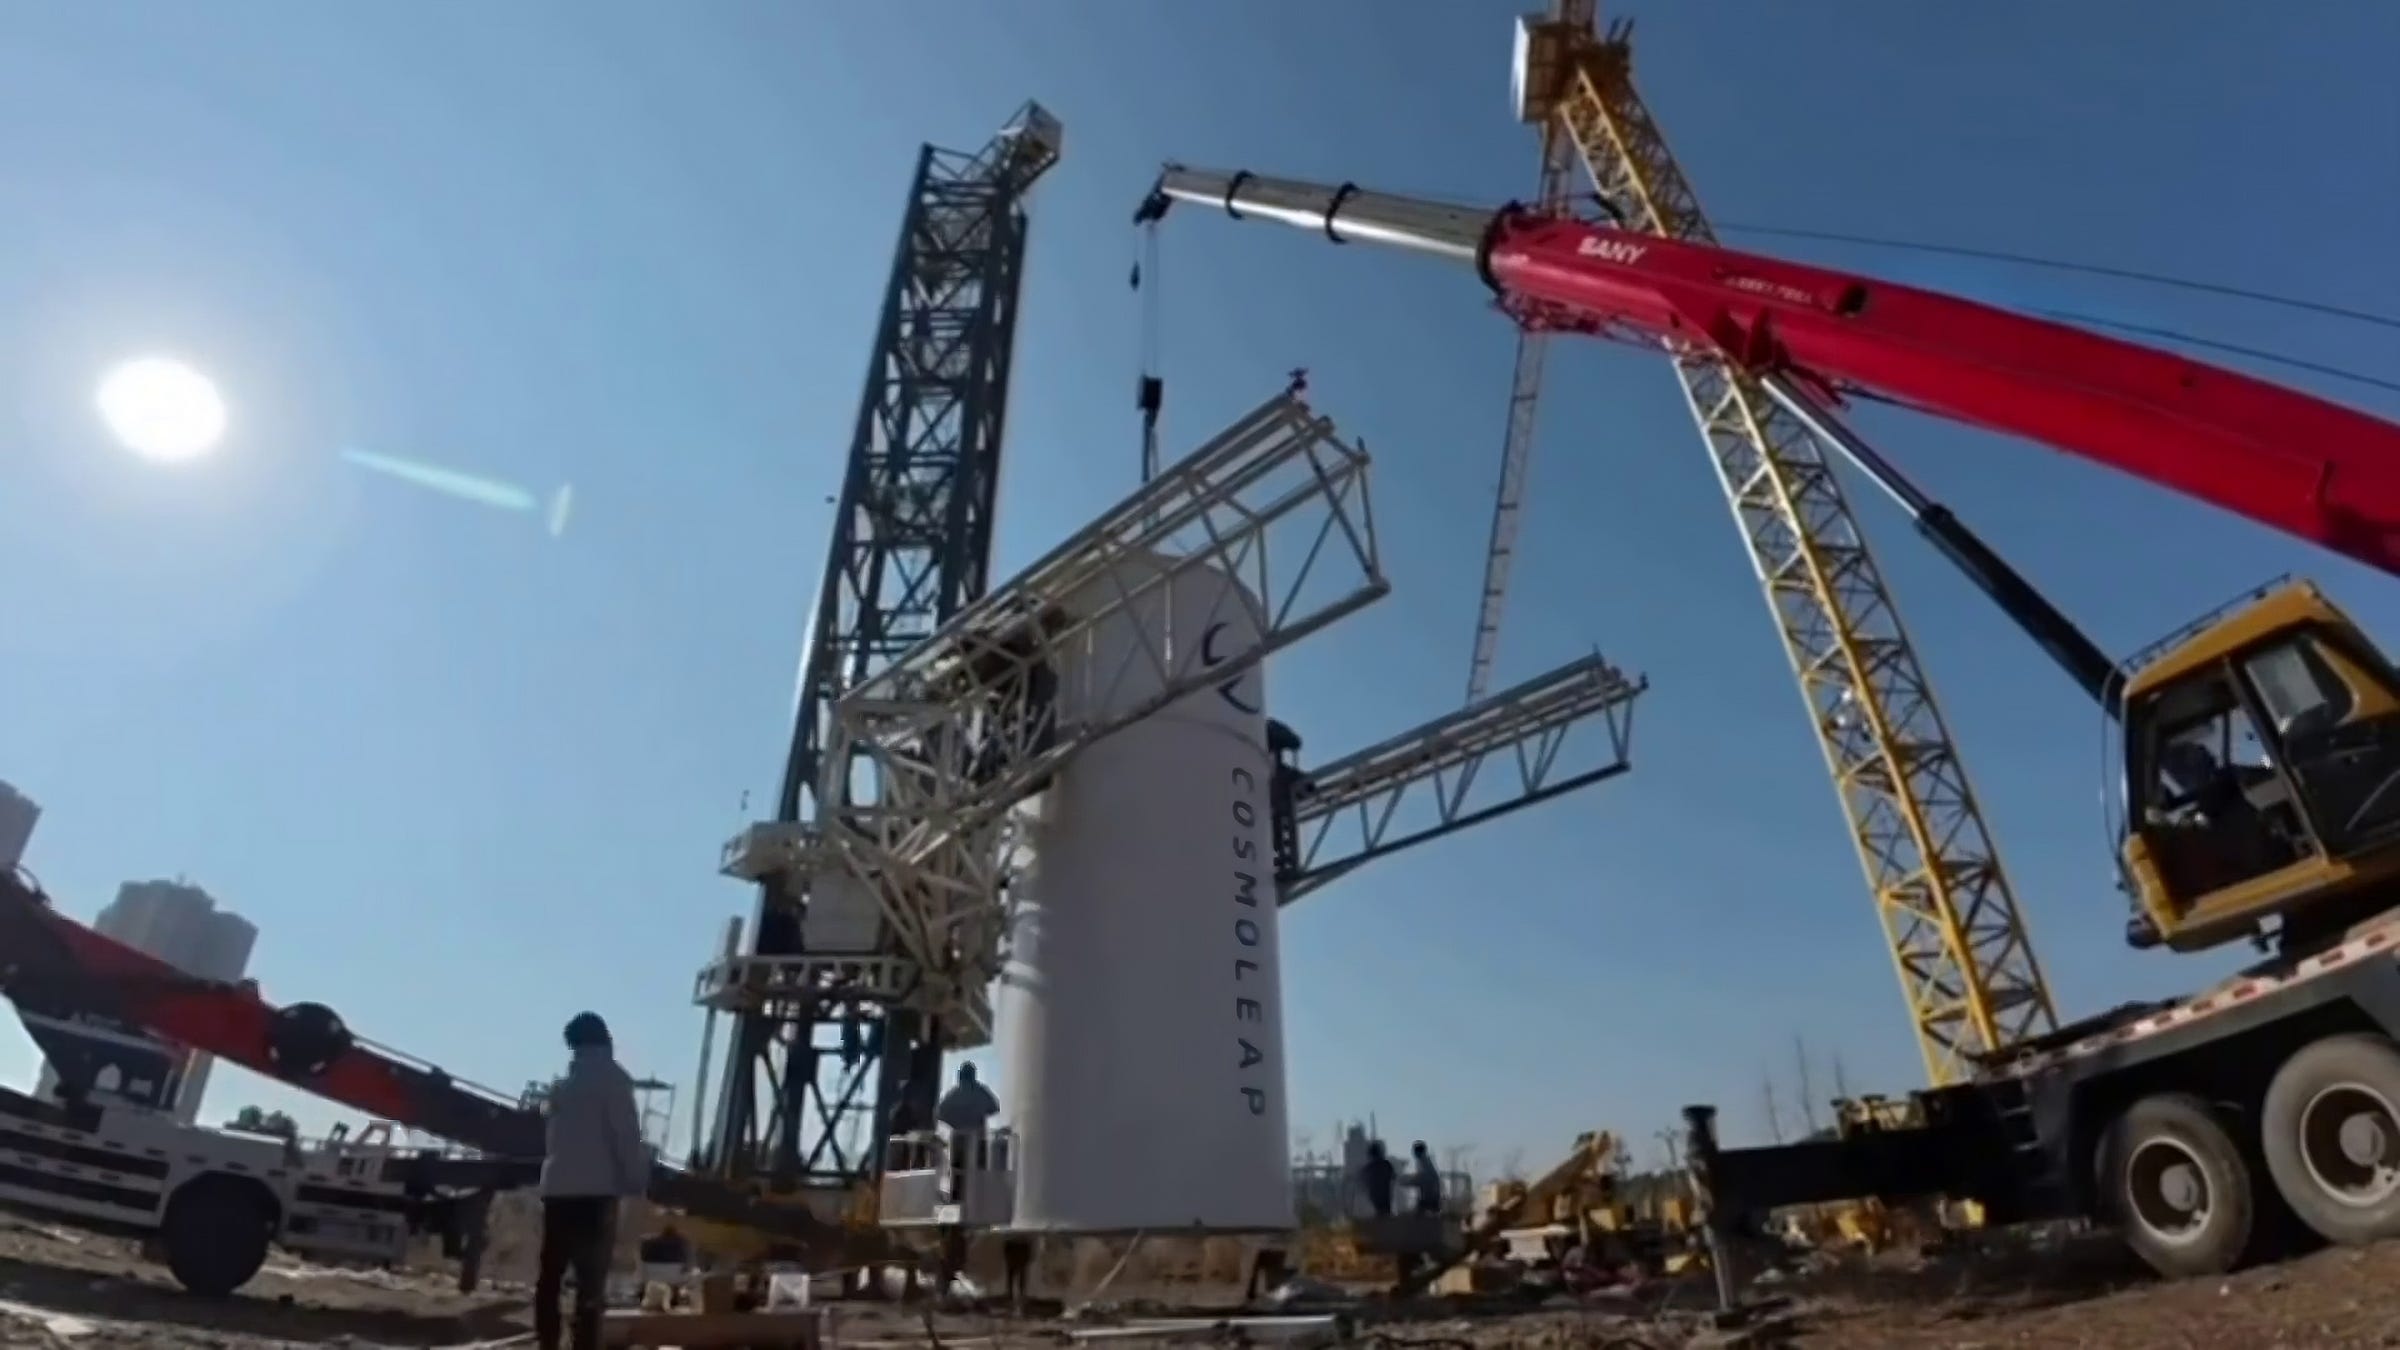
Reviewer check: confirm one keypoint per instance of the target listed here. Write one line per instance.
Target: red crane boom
(2297, 463)
(60, 970)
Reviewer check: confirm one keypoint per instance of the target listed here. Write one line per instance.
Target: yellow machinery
(1948, 911)
(730, 1243)
(2259, 746)
(2258, 743)
(2262, 776)
(1580, 1205)
(2261, 799)
(1335, 1252)
(1870, 1224)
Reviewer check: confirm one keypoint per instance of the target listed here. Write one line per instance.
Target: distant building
(180, 925)
(1327, 1187)
(17, 816)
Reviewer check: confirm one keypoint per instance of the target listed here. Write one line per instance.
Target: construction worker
(1016, 1263)
(594, 1159)
(1378, 1177)
(1427, 1179)
(965, 1110)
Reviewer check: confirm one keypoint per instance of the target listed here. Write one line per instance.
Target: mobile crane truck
(214, 1204)
(2259, 746)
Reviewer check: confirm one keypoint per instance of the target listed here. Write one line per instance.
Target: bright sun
(162, 409)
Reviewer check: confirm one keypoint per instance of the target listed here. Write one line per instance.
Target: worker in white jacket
(595, 1159)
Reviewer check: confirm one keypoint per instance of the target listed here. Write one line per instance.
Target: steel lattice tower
(912, 543)
(1949, 915)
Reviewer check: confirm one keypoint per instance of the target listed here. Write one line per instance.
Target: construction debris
(67, 1291)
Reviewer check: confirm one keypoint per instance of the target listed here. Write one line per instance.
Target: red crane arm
(2301, 464)
(52, 966)
(56, 970)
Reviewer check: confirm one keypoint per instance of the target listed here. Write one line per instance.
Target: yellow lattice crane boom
(1956, 933)
(1524, 399)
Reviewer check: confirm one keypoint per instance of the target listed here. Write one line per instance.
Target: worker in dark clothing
(966, 1111)
(594, 1158)
(1016, 1266)
(1427, 1178)
(1378, 1177)
(968, 1106)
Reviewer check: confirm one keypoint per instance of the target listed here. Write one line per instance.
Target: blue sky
(469, 779)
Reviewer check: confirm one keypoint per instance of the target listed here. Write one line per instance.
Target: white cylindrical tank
(1140, 1018)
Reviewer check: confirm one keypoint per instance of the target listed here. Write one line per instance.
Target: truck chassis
(2209, 1131)
(208, 1202)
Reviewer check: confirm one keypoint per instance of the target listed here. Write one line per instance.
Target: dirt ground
(62, 1289)
(2092, 1295)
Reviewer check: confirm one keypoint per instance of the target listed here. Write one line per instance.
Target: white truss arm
(930, 756)
(968, 723)
(1367, 804)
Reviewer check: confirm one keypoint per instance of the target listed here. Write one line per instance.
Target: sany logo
(1612, 250)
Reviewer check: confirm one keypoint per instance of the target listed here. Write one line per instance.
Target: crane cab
(2262, 777)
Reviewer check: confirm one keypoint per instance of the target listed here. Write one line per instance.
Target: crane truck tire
(2330, 1130)
(215, 1233)
(2176, 1185)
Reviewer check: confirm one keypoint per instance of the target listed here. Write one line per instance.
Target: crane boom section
(1516, 444)
(1948, 914)
(2297, 463)
(64, 971)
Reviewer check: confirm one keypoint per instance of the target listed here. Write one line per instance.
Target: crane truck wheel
(2175, 1184)
(2331, 1133)
(215, 1233)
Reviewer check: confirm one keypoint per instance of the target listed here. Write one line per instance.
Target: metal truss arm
(1371, 799)
(1516, 444)
(969, 723)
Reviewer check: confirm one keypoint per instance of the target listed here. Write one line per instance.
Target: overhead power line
(2065, 265)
